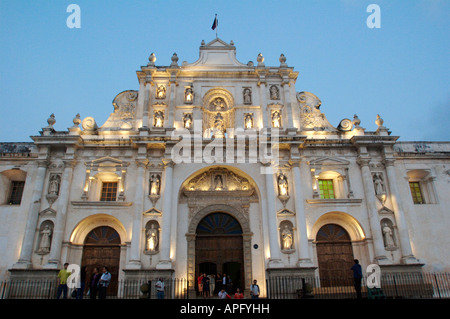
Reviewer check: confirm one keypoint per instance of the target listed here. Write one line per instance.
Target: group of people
(98, 283)
(222, 286)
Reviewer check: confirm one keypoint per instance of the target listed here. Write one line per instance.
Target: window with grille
(16, 192)
(109, 192)
(416, 193)
(326, 188)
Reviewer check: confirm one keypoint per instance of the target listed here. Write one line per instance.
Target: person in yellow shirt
(63, 275)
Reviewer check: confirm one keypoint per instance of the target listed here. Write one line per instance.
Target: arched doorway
(102, 248)
(334, 255)
(219, 248)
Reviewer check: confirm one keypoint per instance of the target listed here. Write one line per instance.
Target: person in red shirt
(238, 294)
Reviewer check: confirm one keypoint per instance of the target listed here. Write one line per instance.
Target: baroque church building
(222, 167)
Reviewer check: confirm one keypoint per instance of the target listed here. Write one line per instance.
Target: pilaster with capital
(165, 262)
(61, 215)
(275, 259)
(405, 244)
(377, 236)
(33, 216)
(137, 230)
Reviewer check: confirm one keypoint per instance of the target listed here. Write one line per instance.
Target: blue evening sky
(400, 71)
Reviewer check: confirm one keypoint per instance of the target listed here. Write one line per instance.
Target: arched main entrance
(334, 255)
(102, 248)
(219, 248)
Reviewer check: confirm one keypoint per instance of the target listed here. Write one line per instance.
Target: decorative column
(304, 258)
(369, 192)
(146, 106)
(24, 261)
(61, 216)
(135, 248)
(287, 103)
(165, 262)
(262, 99)
(275, 259)
(405, 244)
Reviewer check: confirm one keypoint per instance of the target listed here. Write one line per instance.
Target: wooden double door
(102, 248)
(335, 256)
(219, 248)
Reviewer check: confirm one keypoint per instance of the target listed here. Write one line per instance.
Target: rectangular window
(416, 193)
(109, 191)
(16, 192)
(326, 188)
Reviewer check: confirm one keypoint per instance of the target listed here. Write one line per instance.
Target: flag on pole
(215, 23)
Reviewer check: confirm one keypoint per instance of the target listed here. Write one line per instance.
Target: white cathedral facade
(222, 167)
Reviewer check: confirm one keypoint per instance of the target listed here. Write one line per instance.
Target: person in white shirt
(160, 289)
(103, 283)
(254, 290)
(223, 294)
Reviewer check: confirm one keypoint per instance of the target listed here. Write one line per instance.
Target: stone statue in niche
(187, 120)
(247, 96)
(152, 238)
(155, 184)
(53, 187)
(276, 119)
(219, 126)
(218, 183)
(378, 184)
(44, 244)
(282, 185)
(274, 93)
(388, 236)
(248, 120)
(287, 238)
(159, 119)
(188, 95)
(161, 92)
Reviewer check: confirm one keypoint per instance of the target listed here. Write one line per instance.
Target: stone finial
(231, 42)
(282, 60)
(151, 59)
(51, 120)
(174, 60)
(203, 42)
(76, 120)
(260, 59)
(379, 121)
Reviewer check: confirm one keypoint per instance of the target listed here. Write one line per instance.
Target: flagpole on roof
(215, 25)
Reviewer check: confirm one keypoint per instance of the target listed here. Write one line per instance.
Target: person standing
(103, 283)
(93, 284)
(357, 277)
(254, 290)
(212, 284)
(205, 282)
(160, 288)
(63, 275)
(80, 291)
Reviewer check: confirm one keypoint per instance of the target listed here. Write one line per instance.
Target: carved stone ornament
(217, 185)
(311, 118)
(124, 115)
